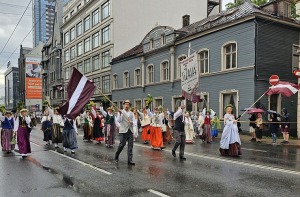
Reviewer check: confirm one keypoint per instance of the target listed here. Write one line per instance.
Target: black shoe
(116, 159)
(131, 163)
(286, 142)
(182, 158)
(283, 142)
(173, 153)
(161, 148)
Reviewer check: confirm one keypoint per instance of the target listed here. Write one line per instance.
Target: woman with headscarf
(285, 125)
(230, 144)
(22, 128)
(58, 124)
(7, 133)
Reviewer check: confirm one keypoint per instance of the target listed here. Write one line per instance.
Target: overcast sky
(10, 13)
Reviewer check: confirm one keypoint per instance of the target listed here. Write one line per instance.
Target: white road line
(234, 162)
(255, 150)
(81, 162)
(157, 193)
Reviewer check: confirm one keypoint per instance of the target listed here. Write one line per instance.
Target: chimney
(185, 20)
(281, 8)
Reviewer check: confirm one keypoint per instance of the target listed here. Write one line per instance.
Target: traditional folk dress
(47, 128)
(58, 124)
(23, 129)
(135, 127)
(145, 123)
(87, 127)
(69, 135)
(110, 126)
(156, 138)
(200, 125)
(215, 125)
(97, 126)
(230, 143)
(206, 135)
(167, 135)
(7, 133)
(189, 131)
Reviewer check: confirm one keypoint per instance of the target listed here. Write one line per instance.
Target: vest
(68, 124)
(22, 121)
(109, 119)
(179, 125)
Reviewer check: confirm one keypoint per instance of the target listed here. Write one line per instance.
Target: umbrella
(273, 112)
(285, 88)
(255, 110)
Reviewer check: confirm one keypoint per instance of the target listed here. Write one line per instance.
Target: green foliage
(20, 105)
(2, 109)
(294, 12)
(259, 2)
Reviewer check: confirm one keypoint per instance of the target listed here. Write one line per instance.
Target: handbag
(13, 141)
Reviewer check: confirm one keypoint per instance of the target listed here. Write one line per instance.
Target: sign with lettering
(33, 78)
(189, 77)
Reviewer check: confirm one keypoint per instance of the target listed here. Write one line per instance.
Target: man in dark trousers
(127, 121)
(179, 133)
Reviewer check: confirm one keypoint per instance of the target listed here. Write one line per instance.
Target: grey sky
(10, 13)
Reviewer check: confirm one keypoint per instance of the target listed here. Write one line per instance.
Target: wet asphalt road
(263, 170)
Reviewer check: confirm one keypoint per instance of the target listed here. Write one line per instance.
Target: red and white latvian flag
(79, 92)
(284, 88)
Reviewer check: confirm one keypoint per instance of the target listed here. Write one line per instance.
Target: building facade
(238, 50)
(11, 87)
(96, 31)
(42, 19)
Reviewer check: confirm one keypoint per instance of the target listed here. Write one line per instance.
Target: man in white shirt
(127, 121)
(179, 133)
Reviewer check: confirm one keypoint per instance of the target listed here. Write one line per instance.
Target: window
(67, 73)
(149, 105)
(229, 56)
(105, 59)
(150, 74)
(163, 39)
(96, 63)
(79, 67)
(79, 6)
(97, 84)
(137, 77)
(151, 43)
(87, 66)
(72, 52)
(165, 71)
(72, 13)
(66, 18)
(87, 23)
(87, 46)
(229, 97)
(67, 38)
(158, 102)
(138, 104)
(67, 56)
(115, 81)
(203, 61)
(96, 40)
(106, 84)
(73, 33)
(95, 17)
(105, 35)
(204, 102)
(178, 72)
(176, 102)
(126, 79)
(79, 29)
(79, 49)
(105, 10)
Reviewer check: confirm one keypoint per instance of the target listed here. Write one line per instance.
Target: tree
(240, 2)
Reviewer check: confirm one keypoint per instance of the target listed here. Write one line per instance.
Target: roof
(244, 10)
(130, 53)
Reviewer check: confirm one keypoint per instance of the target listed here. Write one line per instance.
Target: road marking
(233, 162)
(157, 193)
(78, 161)
(255, 150)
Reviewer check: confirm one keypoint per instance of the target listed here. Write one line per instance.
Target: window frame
(81, 65)
(105, 55)
(103, 6)
(136, 81)
(67, 35)
(79, 26)
(199, 60)
(81, 51)
(74, 50)
(85, 44)
(148, 74)
(228, 92)
(74, 34)
(85, 66)
(95, 57)
(85, 29)
(67, 55)
(155, 99)
(95, 22)
(106, 82)
(178, 69)
(224, 54)
(125, 85)
(115, 81)
(93, 40)
(103, 34)
(162, 71)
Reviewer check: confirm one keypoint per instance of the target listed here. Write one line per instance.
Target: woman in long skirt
(7, 132)
(167, 136)
(87, 127)
(97, 126)
(189, 129)
(47, 127)
(22, 128)
(69, 135)
(58, 124)
(156, 138)
(145, 123)
(110, 126)
(206, 136)
(230, 144)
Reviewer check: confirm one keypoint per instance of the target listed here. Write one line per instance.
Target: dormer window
(151, 43)
(163, 39)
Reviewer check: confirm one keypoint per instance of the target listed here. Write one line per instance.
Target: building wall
(11, 87)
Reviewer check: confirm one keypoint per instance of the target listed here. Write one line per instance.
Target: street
(262, 170)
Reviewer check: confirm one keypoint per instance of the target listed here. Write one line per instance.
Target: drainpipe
(255, 54)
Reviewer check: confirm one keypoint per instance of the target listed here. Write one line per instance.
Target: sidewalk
(292, 142)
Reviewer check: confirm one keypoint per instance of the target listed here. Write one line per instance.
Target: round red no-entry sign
(274, 79)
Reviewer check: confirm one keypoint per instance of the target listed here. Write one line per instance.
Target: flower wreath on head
(228, 105)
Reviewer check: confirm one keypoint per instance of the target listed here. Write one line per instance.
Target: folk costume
(167, 135)
(156, 138)
(47, 128)
(7, 133)
(22, 128)
(145, 123)
(97, 126)
(87, 126)
(215, 125)
(189, 130)
(69, 135)
(230, 144)
(110, 125)
(206, 136)
(58, 124)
